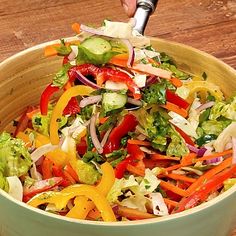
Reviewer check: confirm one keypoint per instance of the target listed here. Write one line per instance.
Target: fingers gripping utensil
(144, 9)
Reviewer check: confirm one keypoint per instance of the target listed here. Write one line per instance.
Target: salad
(129, 135)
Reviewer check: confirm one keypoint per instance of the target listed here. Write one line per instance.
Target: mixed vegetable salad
(130, 137)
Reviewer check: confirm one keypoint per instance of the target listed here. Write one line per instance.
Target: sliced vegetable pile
(131, 137)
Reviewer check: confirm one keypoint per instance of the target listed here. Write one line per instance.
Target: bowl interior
(24, 76)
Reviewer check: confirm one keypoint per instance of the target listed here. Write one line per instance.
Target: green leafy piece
(4, 183)
(176, 72)
(115, 162)
(86, 112)
(166, 59)
(205, 139)
(225, 109)
(214, 127)
(204, 115)
(90, 145)
(116, 154)
(61, 77)
(110, 122)
(41, 123)
(92, 156)
(87, 173)
(204, 75)
(229, 183)
(177, 146)
(14, 156)
(123, 141)
(63, 49)
(156, 93)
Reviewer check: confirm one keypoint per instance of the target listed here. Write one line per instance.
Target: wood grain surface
(209, 25)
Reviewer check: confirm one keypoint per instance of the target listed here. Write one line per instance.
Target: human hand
(129, 6)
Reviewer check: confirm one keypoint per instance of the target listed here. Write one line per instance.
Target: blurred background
(209, 25)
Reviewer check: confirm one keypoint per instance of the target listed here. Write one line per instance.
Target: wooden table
(209, 25)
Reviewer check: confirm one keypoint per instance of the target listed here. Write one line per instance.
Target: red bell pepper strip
(45, 97)
(122, 166)
(201, 195)
(128, 124)
(177, 100)
(41, 186)
(58, 172)
(119, 76)
(65, 60)
(85, 69)
(23, 121)
(134, 150)
(72, 107)
(187, 138)
(81, 147)
(103, 74)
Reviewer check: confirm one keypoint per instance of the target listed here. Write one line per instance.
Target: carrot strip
(208, 175)
(118, 62)
(30, 114)
(134, 214)
(50, 50)
(181, 177)
(139, 142)
(67, 85)
(176, 82)
(173, 188)
(172, 107)
(158, 156)
(102, 120)
(46, 168)
(68, 168)
(174, 167)
(76, 28)
(153, 62)
(170, 202)
(188, 159)
(217, 154)
(135, 170)
(94, 214)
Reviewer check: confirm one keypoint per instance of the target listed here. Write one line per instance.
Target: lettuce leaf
(14, 157)
(41, 123)
(225, 109)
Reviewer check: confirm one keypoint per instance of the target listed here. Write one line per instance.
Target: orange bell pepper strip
(79, 90)
(172, 107)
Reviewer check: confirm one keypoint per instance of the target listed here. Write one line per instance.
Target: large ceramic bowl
(22, 79)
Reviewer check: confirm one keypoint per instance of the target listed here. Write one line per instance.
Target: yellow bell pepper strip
(60, 199)
(82, 207)
(39, 139)
(58, 157)
(203, 86)
(107, 180)
(57, 112)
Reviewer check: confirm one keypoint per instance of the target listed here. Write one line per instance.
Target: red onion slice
(134, 102)
(131, 53)
(86, 81)
(105, 137)
(90, 100)
(152, 79)
(199, 151)
(92, 129)
(205, 106)
(234, 150)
